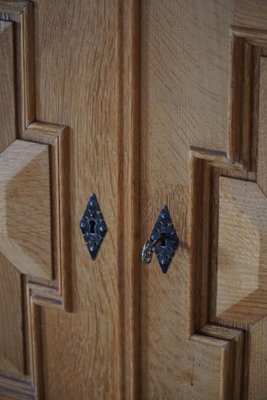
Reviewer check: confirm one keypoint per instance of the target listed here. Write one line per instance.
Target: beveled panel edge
(206, 167)
(39, 292)
(245, 44)
(21, 13)
(240, 161)
(58, 292)
(7, 68)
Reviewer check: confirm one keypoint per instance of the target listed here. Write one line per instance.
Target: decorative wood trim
(40, 292)
(207, 166)
(21, 14)
(7, 86)
(244, 95)
(230, 342)
(56, 137)
(234, 370)
(128, 150)
(56, 292)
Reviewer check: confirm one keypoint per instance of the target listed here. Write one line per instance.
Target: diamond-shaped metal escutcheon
(164, 238)
(93, 226)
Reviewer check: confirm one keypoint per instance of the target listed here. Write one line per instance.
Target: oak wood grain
(257, 356)
(25, 208)
(128, 335)
(18, 6)
(12, 320)
(251, 14)
(38, 291)
(249, 312)
(129, 229)
(262, 140)
(57, 138)
(82, 92)
(242, 243)
(235, 369)
(184, 75)
(7, 86)
(20, 13)
(221, 380)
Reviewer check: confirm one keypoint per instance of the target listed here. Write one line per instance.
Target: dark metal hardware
(163, 241)
(93, 226)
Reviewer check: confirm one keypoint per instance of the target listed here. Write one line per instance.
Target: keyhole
(163, 240)
(92, 226)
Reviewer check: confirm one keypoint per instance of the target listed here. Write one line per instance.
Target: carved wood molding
(244, 161)
(38, 291)
(20, 14)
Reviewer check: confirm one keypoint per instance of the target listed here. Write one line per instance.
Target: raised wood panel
(35, 232)
(227, 285)
(242, 246)
(54, 290)
(57, 138)
(7, 87)
(128, 336)
(184, 96)
(25, 215)
(206, 169)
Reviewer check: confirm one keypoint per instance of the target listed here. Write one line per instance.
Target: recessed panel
(242, 250)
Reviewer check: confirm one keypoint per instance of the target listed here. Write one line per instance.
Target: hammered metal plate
(166, 250)
(93, 226)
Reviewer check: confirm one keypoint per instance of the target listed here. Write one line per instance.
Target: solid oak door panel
(184, 90)
(145, 103)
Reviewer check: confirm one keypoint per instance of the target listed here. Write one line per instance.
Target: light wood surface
(12, 319)
(180, 90)
(257, 360)
(129, 229)
(25, 219)
(242, 243)
(20, 12)
(262, 147)
(210, 374)
(7, 88)
(250, 14)
(82, 92)
(143, 87)
(45, 174)
(57, 137)
(235, 369)
(246, 119)
(37, 291)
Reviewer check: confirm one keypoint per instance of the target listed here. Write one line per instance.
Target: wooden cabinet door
(143, 104)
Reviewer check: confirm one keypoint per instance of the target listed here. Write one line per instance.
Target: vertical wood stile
(128, 187)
